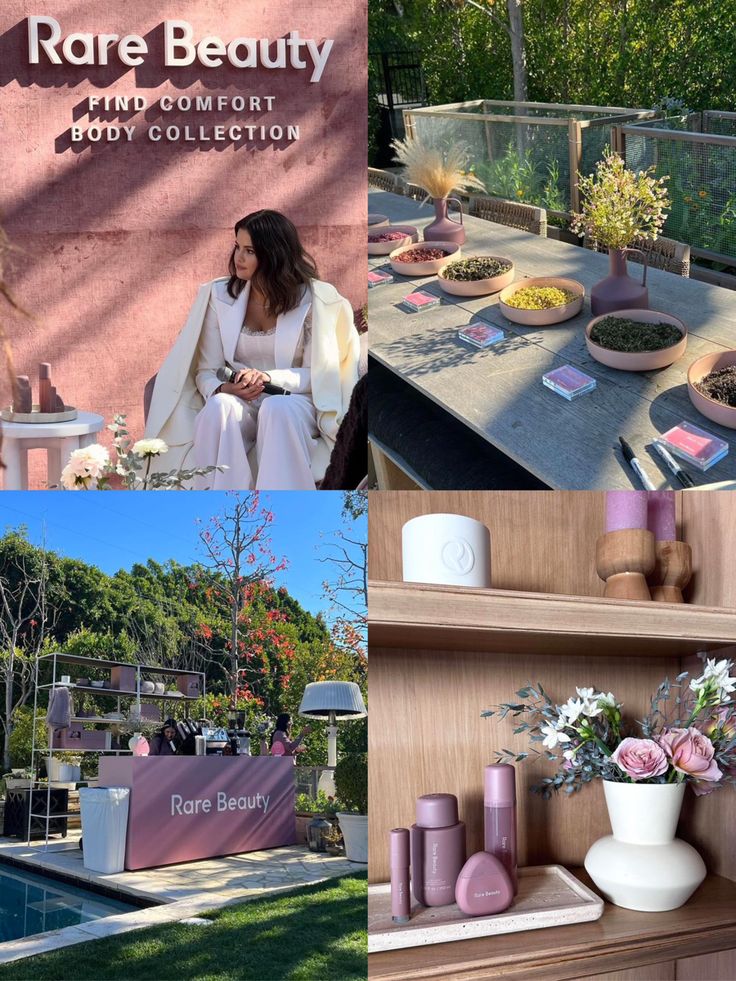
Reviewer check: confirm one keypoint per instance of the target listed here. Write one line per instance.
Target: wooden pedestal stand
(672, 571)
(624, 559)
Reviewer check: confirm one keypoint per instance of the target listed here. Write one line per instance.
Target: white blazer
(187, 375)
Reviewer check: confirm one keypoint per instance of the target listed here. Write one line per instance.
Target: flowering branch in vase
(688, 736)
(91, 467)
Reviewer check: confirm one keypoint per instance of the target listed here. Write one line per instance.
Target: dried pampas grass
(438, 172)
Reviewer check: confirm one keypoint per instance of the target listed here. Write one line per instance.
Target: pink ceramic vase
(444, 228)
(619, 291)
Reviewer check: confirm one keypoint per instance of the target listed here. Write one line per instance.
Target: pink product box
(77, 738)
(420, 301)
(378, 278)
(699, 447)
(188, 685)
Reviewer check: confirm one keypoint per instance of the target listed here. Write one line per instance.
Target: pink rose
(640, 759)
(691, 753)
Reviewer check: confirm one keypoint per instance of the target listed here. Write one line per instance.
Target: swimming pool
(31, 904)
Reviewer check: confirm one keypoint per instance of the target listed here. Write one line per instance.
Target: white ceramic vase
(354, 829)
(642, 865)
(450, 549)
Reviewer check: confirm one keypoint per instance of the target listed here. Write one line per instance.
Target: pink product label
(192, 807)
(695, 442)
(481, 334)
(421, 299)
(568, 378)
(376, 278)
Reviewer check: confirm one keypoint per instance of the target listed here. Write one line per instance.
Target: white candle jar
(449, 549)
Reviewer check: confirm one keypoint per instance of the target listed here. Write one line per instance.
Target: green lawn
(317, 933)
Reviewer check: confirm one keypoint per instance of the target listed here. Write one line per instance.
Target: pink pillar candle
(626, 509)
(661, 516)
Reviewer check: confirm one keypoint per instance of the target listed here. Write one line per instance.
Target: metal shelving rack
(38, 752)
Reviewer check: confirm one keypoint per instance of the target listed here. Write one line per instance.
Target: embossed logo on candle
(458, 556)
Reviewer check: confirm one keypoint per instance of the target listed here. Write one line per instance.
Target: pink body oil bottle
(437, 849)
(399, 855)
(499, 798)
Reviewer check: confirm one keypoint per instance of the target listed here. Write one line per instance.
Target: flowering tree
(239, 568)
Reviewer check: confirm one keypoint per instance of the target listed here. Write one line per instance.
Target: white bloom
(591, 708)
(569, 754)
(716, 675)
(85, 465)
(552, 736)
(607, 701)
(149, 447)
(571, 710)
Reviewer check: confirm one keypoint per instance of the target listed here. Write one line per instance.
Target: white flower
(591, 708)
(571, 710)
(85, 465)
(569, 754)
(149, 447)
(716, 676)
(552, 736)
(607, 701)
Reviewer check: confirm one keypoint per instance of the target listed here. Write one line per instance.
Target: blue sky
(115, 529)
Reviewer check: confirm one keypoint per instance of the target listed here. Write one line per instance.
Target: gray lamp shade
(321, 698)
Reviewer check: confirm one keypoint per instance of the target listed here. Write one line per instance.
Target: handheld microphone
(226, 374)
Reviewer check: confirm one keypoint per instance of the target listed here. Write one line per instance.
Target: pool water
(31, 904)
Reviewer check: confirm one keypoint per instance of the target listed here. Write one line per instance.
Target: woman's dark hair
(282, 724)
(284, 268)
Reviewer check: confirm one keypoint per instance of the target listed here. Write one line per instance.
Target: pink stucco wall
(114, 239)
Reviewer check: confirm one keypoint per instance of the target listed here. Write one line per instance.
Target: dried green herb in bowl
(634, 336)
(473, 268)
(539, 298)
(719, 385)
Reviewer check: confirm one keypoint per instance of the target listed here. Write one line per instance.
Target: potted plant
(437, 172)
(19, 778)
(476, 275)
(307, 808)
(618, 206)
(688, 738)
(351, 781)
(334, 841)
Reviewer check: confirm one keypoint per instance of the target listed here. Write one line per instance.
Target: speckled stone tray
(548, 896)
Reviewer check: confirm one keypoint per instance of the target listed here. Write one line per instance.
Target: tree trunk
(518, 49)
(8, 714)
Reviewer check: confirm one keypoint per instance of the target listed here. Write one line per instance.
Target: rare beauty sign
(174, 47)
(183, 808)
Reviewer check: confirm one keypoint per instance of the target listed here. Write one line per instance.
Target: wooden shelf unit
(440, 656)
(622, 940)
(419, 616)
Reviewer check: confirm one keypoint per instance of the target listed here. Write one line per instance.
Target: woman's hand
(247, 384)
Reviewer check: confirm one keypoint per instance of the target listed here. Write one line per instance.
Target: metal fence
(698, 154)
(398, 85)
(525, 151)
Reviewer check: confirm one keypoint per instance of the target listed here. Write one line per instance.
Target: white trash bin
(104, 827)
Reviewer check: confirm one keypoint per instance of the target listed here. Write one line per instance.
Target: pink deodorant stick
(499, 798)
(483, 886)
(399, 851)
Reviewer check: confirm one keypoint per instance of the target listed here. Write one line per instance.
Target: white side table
(59, 439)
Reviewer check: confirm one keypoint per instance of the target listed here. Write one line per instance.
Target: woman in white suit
(272, 322)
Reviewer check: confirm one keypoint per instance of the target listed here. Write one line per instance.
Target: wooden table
(499, 393)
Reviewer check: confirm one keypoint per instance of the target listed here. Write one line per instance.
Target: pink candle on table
(661, 516)
(626, 509)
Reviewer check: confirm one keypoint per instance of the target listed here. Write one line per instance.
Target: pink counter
(191, 807)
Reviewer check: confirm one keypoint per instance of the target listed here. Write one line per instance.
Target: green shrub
(21, 738)
(351, 772)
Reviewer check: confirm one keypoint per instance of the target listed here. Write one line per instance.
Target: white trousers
(283, 429)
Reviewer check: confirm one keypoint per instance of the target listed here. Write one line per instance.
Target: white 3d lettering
(180, 48)
(199, 805)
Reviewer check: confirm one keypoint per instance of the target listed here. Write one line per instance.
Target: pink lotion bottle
(499, 798)
(437, 849)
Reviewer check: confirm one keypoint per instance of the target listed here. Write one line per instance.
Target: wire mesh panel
(526, 152)
(698, 154)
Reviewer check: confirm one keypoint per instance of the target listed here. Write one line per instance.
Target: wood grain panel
(540, 541)
(708, 967)
(427, 736)
(655, 972)
(709, 527)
